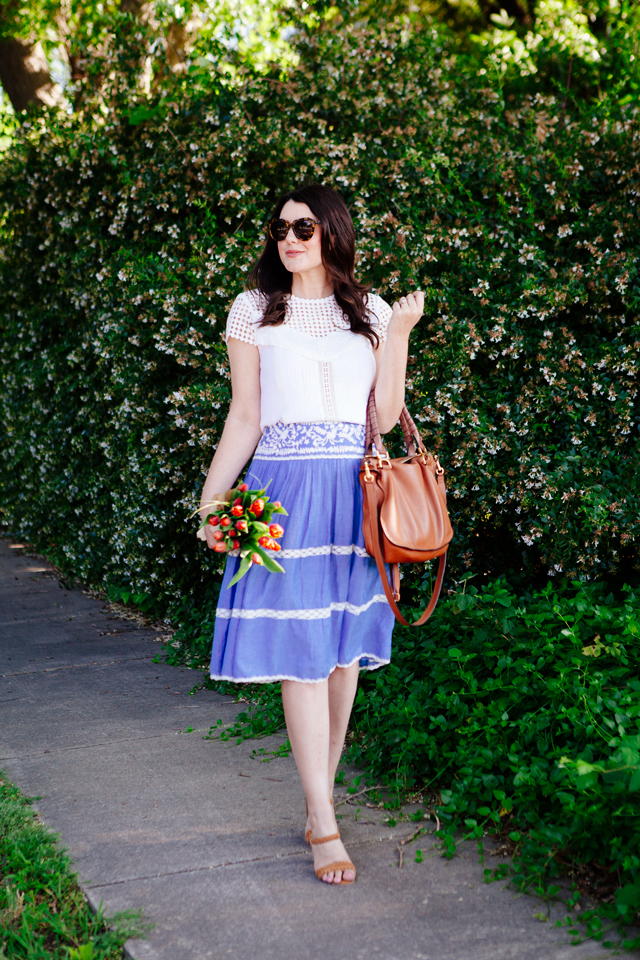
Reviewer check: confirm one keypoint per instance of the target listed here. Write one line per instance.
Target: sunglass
(303, 228)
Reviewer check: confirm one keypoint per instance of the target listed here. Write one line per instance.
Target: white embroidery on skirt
(311, 441)
(374, 663)
(319, 613)
(337, 549)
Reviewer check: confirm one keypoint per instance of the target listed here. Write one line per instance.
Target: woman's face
(299, 256)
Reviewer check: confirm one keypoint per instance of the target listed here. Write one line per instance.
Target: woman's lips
(294, 253)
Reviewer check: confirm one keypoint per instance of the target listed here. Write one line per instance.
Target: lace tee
(312, 367)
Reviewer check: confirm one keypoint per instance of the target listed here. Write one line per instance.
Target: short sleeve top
(317, 318)
(312, 367)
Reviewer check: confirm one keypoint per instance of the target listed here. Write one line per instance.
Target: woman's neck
(311, 284)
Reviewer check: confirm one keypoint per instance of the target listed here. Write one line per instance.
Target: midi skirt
(328, 608)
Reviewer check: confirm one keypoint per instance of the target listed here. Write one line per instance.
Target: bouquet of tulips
(242, 522)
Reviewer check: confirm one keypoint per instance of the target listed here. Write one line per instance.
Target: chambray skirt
(328, 608)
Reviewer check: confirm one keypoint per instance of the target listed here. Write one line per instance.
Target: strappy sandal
(307, 835)
(337, 865)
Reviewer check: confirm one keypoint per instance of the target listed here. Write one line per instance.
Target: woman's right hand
(207, 532)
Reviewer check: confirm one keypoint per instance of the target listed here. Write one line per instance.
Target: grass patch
(43, 912)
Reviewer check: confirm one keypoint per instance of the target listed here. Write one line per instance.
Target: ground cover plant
(128, 227)
(43, 913)
(516, 714)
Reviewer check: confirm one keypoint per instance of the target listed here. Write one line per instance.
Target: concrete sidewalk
(205, 840)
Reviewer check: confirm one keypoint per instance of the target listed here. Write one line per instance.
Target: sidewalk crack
(74, 666)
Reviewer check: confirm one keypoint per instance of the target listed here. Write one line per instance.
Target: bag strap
(395, 595)
(413, 440)
(372, 431)
(412, 437)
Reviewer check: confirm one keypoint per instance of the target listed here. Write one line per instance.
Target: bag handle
(412, 439)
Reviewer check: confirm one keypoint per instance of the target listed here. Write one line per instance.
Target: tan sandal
(341, 865)
(307, 835)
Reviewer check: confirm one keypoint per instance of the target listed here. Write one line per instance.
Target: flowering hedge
(128, 231)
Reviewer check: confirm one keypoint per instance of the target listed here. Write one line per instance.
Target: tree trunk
(24, 74)
(138, 8)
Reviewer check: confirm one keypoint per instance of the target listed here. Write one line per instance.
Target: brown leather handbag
(405, 508)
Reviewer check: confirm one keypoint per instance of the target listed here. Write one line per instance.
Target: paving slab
(202, 836)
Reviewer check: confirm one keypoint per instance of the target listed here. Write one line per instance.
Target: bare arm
(242, 427)
(391, 360)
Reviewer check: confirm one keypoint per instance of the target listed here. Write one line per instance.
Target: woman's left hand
(406, 313)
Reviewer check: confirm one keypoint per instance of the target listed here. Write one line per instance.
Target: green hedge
(125, 240)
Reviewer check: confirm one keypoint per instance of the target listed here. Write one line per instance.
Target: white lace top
(312, 367)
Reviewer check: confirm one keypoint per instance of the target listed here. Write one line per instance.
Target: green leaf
(84, 952)
(245, 564)
(628, 896)
(259, 527)
(269, 562)
(464, 601)
(143, 113)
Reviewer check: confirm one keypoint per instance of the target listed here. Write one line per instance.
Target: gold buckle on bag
(368, 476)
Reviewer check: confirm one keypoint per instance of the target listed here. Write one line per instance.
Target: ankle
(322, 819)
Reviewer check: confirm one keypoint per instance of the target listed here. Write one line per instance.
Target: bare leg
(306, 709)
(343, 684)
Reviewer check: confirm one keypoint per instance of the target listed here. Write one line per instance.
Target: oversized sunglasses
(303, 228)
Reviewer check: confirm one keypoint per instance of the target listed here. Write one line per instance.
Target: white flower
(565, 231)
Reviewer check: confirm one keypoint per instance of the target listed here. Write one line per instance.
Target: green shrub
(517, 709)
(124, 243)
(528, 708)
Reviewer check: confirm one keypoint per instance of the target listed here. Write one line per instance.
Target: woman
(306, 343)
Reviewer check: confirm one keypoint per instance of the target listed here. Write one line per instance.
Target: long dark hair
(273, 280)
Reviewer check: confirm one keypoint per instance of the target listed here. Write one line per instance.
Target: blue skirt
(328, 609)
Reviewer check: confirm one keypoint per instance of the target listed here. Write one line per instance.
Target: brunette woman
(306, 343)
